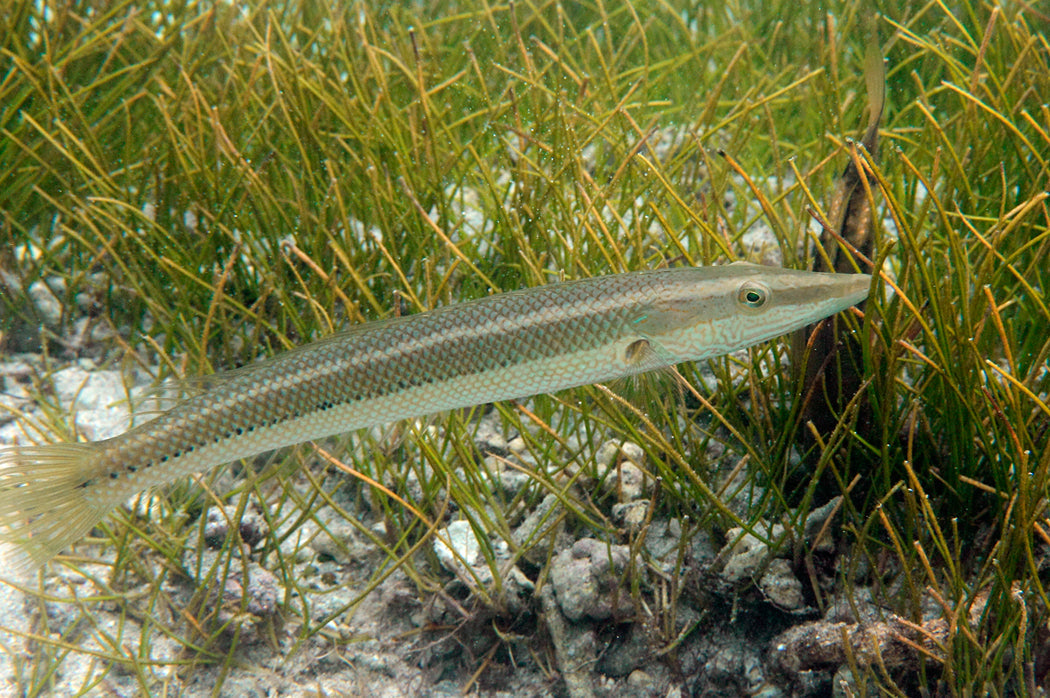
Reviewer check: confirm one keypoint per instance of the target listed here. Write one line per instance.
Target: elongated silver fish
(505, 346)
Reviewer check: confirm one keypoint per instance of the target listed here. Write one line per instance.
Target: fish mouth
(858, 286)
(851, 288)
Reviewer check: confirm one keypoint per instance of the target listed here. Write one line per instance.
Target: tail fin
(45, 505)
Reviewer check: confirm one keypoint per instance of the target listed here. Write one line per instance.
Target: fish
(502, 347)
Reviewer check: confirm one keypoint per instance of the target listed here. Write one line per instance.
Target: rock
(459, 551)
(627, 653)
(47, 305)
(762, 245)
(844, 685)
(781, 587)
(24, 334)
(535, 533)
(630, 482)
(101, 332)
(17, 374)
(241, 592)
(889, 641)
(639, 680)
(261, 590)
(817, 521)
(734, 668)
(517, 591)
(87, 303)
(611, 452)
(754, 674)
(504, 476)
(575, 647)
(294, 550)
(335, 539)
(857, 606)
(748, 559)
(98, 399)
(726, 665)
(631, 514)
(619, 464)
(464, 202)
(15, 377)
(587, 580)
(457, 547)
(745, 554)
(662, 538)
(252, 526)
(216, 526)
(488, 438)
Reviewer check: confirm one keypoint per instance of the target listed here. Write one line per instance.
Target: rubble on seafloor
(651, 606)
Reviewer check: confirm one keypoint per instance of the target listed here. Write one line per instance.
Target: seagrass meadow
(187, 187)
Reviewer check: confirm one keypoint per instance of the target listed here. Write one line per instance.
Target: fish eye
(752, 295)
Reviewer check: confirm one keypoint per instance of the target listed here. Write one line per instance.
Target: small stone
(612, 452)
(627, 652)
(630, 482)
(745, 554)
(640, 681)
(587, 580)
(98, 399)
(251, 526)
(335, 539)
(101, 332)
(456, 546)
(620, 463)
(535, 532)
(844, 684)
(259, 595)
(47, 305)
(631, 514)
(817, 521)
(517, 591)
(87, 303)
(781, 586)
(505, 476)
(726, 665)
(261, 591)
(489, 440)
(216, 526)
(607, 454)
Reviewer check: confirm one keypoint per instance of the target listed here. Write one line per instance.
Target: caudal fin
(44, 505)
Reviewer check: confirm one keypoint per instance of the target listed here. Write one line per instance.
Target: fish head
(710, 311)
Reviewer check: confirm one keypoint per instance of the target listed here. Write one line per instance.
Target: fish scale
(506, 346)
